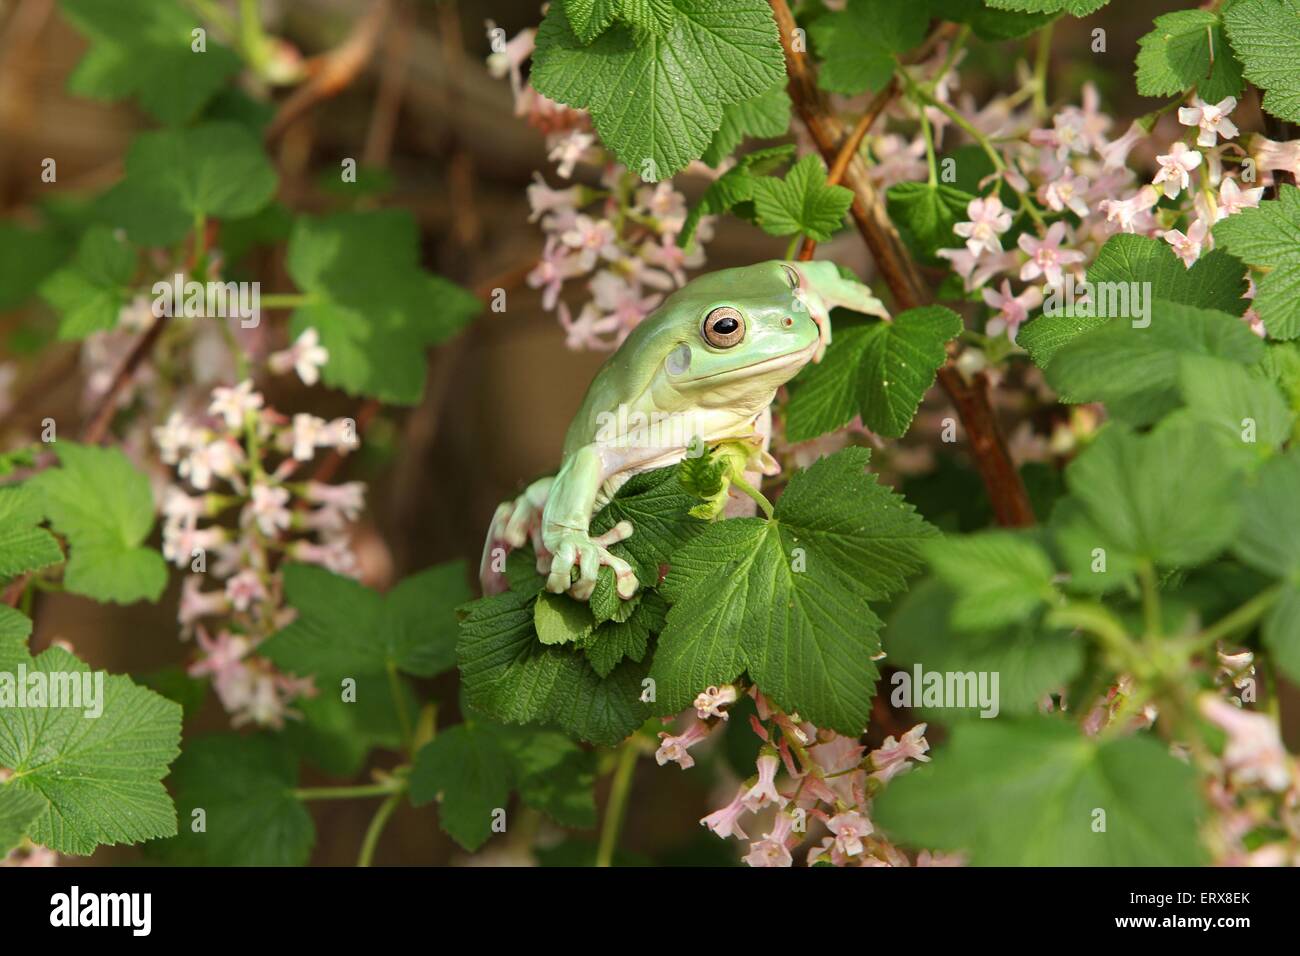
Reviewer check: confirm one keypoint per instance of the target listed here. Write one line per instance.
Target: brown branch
(1005, 489)
(334, 71)
(97, 428)
(850, 149)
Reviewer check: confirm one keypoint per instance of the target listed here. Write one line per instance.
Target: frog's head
(739, 334)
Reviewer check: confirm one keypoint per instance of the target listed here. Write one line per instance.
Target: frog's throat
(755, 368)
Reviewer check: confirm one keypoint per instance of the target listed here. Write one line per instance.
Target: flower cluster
(242, 506)
(619, 238)
(805, 777)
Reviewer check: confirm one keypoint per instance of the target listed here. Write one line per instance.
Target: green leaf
(143, 48)
(858, 46)
(1188, 49)
(90, 292)
(1215, 281)
(376, 310)
(103, 505)
(14, 625)
(590, 18)
(659, 510)
(97, 767)
(765, 116)
(615, 640)
(1030, 663)
(657, 103)
(880, 371)
(23, 546)
(27, 256)
(471, 768)
(1266, 36)
(926, 214)
(1139, 366)
(508, 674)
(18, 810)
(1076, 8)
(1027, 792)
(785, 600)
(1268, 238)
(244, 787)
(1241, 403)
(991, 25)
(344, 629)
(801, 203)
(999, 577)
(1152, 496)
(559, 619)
(467, 771)
(1269, 540)
(338, 733)
(733, 191)
(176, 177)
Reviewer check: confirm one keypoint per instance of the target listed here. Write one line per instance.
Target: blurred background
(417, 101)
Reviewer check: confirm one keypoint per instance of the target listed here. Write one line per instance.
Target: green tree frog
(705, 365)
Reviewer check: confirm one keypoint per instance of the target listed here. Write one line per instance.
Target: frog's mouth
(754, 369)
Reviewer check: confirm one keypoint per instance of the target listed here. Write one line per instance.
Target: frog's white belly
(663, 441)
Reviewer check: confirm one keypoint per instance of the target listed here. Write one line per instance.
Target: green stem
(1150, 600)
(388, 788)
(929, 149)
(616, 806)
(287, 300)
(1242, 617)
(793, 248)
(1044, 54)
(754, 493)
(399, 702)
(377, 824)
(252, 39)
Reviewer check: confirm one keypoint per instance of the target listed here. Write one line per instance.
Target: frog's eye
(724, 327)
(791, 276)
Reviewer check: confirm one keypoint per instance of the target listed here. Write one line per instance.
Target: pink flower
(764, 791)
(711, 700)
(1069, 134)
(977, 270)
(232, 404)
(175, 436)
(620, 300)
(1065, 191)
(268, 508)
(556, 265)
(665, 204)
(1254, 752)
(1132, 214)
(543, 200)
(1046, 255)
(592, 238)
(348, 497)
(334, 555)
(220, 458)
(988, 220)
(568, 150)
(305, 356)
(891, 757)
(1272, 156)
(586, 330)
(725, 822)
(1012, 310)
(1115, 153)
(196, 604)
(181, 542)
(1174, 168)
(245, 588)
(671, 258)
(772, 849)
(1188, 246)
(674, 749)
(508, 58)
(1212, 120)
(849, 829)
(1233, 199)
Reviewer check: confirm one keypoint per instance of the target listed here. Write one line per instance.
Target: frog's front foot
(513, 524)
(572, 548)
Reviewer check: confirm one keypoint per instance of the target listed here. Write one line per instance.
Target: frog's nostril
(787, 322)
